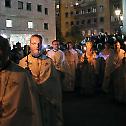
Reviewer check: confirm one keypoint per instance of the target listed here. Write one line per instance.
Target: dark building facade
(77, 19)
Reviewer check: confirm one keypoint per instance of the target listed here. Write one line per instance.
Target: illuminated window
(30, 24)
(89, 32)
(57, 6)
(94, 10)
(101, 7)
(8, 23)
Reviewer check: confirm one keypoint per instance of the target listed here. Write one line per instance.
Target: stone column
(124, 16)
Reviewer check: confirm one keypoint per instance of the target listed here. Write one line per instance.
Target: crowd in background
(34, 94)
(87, 66)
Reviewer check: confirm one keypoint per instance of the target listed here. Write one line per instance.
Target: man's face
(55, 45)
(117, 46)
(88, 45)
(35, 46)
(70, 46)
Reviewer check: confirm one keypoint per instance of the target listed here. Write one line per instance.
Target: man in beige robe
(71, 63)
(45, 75)
(19, 102)
(112, 63)
(88, 70)
(58, 59)
(118, 79)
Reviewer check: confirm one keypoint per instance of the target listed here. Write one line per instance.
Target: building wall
(103, 19)
(79, 15)
(20, 17)
(103, 11)
(124, 17)
(66, 6)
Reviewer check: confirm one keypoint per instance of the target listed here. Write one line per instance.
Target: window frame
(28, 6)
(30, 26)
(20, 5)
(39, 8)
(9, 23)
(8, 3)
(46, 26)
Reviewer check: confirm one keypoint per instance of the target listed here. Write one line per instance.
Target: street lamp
(120, 18)
(117, 12)
(76, 4)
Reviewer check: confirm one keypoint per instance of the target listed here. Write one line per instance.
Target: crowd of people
(33, 80)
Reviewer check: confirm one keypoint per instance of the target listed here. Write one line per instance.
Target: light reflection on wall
(24, 39)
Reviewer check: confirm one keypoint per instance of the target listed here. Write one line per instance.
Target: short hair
(55, 41)
(38, 36)
(4, 45)
(89, 43)
(116, 42)
(107, 44)
(70, 42)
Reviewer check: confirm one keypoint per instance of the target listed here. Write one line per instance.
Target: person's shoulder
(17, 68)
(48, 60)
(60, 51)
(23, 59)
(50, 51)
(122, 51)
(74, 50)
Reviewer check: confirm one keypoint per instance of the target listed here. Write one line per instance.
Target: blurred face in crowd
(35, 45)
(70, 46)
(84, 48)
(107, 46)
(89, 45)
(55, 45)
(117, 46)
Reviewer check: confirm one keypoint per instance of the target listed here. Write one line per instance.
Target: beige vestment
(88, 73)
(58, 59)
(45, 75)
(118, 79)
(112, 63)
(71, 62)
(19, 97)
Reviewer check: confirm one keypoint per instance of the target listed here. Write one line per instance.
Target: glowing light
(76, 3)
(45, 46)
(57, 6)
(125, 42)
(4, 35)
(121, 17)
(117, 12)
(85, 48)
